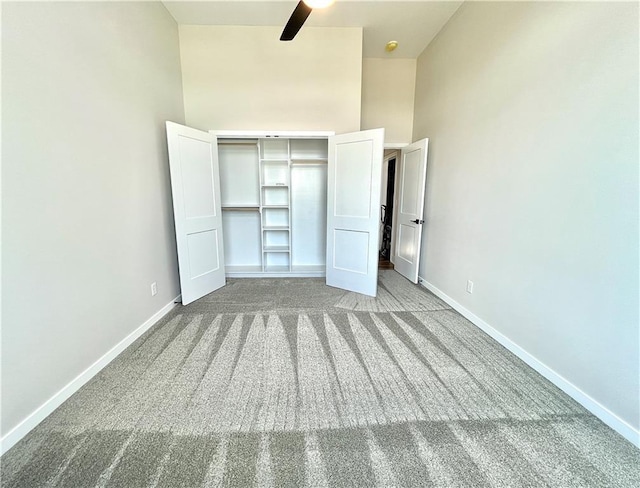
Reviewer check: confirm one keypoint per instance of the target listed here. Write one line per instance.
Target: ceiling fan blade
(298, 17)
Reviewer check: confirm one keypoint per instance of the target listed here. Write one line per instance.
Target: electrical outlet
(469, 286)
(154, 289)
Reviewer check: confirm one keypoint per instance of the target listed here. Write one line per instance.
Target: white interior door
(412, 175)
(353, 210)
(195, 184)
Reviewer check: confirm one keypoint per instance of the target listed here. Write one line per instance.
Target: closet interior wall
(274, 200)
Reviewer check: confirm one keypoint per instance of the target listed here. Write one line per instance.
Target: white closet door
(412, 175)
(195, 184)
(353, 210)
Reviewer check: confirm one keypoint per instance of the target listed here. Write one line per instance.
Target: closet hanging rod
(228, 142)
(241, 208)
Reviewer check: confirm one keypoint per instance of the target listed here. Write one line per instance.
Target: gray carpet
(291, 383)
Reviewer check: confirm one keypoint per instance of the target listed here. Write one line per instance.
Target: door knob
(417, 221)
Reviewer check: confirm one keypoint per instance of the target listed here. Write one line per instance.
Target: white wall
(388, 87)
(87, 222)
(532, 114)
(239, 77)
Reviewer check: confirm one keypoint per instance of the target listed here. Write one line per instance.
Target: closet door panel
(408, 224)
(353, 210)
(195, 188)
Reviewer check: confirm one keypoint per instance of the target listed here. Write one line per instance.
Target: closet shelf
(276, 206)
(275, 248)
(275, 186)
(240, 208)
(237, 142)
(275, 227)
(308, 160)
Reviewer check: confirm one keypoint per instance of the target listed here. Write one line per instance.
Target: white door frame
(393, 155)
(397, 147)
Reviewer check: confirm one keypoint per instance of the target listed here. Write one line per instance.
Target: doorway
(387, 192)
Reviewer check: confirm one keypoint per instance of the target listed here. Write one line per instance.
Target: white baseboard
(24, 427)
(600, 411)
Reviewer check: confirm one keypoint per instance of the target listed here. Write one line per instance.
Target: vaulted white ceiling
(412, 23)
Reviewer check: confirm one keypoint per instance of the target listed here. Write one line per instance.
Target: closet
(285, 204)
(274, 204)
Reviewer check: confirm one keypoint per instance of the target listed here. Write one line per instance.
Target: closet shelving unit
(273, 193)
(275, 204)
(240, 199)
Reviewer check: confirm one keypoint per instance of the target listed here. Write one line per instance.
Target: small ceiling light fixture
(391, 46)
(318, 3)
